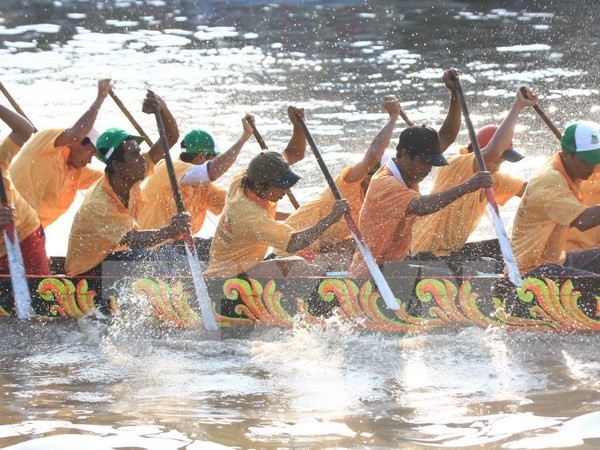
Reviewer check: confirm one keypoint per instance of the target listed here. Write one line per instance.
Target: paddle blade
(382, 285)
(17, 275)
(509, 258)
(210, 322)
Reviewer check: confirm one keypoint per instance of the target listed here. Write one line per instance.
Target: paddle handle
(470, 128)
(15, 105)
(408, 122)
(127, 114)
(263, 146)
(169, 162)
(544, 117)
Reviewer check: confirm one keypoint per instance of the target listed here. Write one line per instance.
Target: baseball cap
(583, 138)
(110, 140)
(272, 169)
(200, 141)
(425, 142)
(484, 136)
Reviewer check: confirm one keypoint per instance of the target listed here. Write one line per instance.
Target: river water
(127, 384)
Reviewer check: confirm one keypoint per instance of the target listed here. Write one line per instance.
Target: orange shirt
(447, 230)
(585, 240)
(384, 223)
(550, 204)
(41, 174)
(101, 224)
(310, 213)
(26, 220)
(197, 199)
(245, 232)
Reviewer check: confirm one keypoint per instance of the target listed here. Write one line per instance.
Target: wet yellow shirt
(41, 174)
(585, 240)
(310, 213)
(245, 232)
(26, 220)
(197, 199)
(550, 204)
(447, 230)
(101, 224)
(384, 223)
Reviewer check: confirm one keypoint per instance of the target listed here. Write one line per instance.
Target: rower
(53, 165)
(552, 205)
(249, 225)
(27, 225)
(198, 166)
(444, 235)
(334, 249)
(590, 196)
(106, 227)
(393, 201)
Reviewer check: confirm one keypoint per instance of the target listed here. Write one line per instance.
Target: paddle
(131, 118)
(383, 286)
(15, 263)
(15, 105)
(509, 258)
(210, 322)
(263, 146)
(544, 117)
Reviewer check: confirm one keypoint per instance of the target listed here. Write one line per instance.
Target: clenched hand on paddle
(210, 322)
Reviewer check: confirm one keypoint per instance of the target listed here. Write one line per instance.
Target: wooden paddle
(15, 105)
(131, 118)
(210, 322)
(380, 281)
(15, 263)
(509, 258)
(263, 146)
(544, 117)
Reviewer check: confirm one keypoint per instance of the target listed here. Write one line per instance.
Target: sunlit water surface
(126, 384)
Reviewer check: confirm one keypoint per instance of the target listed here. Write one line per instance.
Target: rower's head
(120, 151)
(484, 136)
(198, 146)
(418, 150)
(81, 153)
(581, 149)
(269, 176)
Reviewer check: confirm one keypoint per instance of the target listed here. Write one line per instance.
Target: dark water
(129, 384)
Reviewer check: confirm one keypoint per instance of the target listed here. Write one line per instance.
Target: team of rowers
(129, 212)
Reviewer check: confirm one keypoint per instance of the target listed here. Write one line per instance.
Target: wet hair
(412, 152)
(254, 185)
(187, 157)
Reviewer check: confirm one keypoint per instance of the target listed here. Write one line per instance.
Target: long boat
(427, 302)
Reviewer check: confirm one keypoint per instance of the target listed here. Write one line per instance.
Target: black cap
(272, 169)
(423, 141)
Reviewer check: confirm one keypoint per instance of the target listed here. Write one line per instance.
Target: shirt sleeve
(506, 187)
(196, 175)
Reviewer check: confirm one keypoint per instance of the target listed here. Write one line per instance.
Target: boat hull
(426, 304)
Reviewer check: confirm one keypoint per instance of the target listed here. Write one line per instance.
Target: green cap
(583, 139)
(110, 140)
(200, 141)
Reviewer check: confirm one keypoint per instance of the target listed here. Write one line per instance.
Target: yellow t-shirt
(41, 174)
(384, 223)
(550, 204)
(26, 220)
(245, 232)
(197, 199)
(101, 224)
(310, 213)
(585, 240)
(447, 230)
